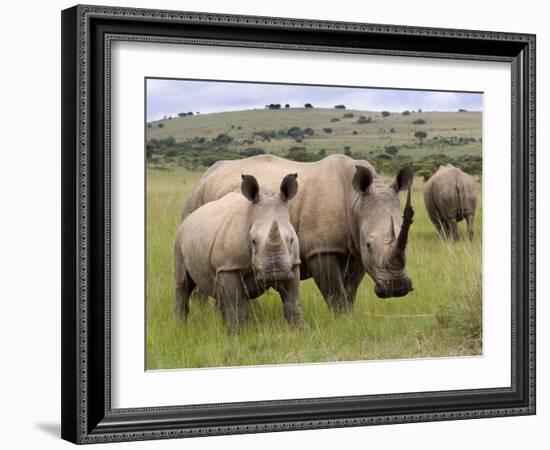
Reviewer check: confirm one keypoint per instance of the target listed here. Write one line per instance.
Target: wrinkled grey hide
(348, 221)
(450, 196)
(237, 247)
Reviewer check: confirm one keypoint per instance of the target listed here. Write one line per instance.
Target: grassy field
(442, 317)
(366, 138)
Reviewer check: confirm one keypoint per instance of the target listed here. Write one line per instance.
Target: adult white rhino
(450, 196)
(348, 222)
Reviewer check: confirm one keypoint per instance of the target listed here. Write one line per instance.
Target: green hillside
(309, 134)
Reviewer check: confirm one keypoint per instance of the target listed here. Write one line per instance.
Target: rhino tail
(460, 197)
(184, 284)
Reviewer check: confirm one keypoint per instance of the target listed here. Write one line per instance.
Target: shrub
(386, 113)
(364, 119)
(295, 132)
(161, 125)
(384, 157)
(462, 110)
(392, 130)
(425, 174)
(308, 131)
(421, 135)
(419, 122)
(252, 151)
(348, 115)
(340, 106)
(149, 125)
(391, 150)
(347, 150)
(182, 114)
(223, 138)
(301, 156)
(354, 132)
(321, 153)
(406, 113)
(287, 106)
(327, 130)
(308, 106)
(296, 148)
(169, 141)
(334, 119)
(209, 160)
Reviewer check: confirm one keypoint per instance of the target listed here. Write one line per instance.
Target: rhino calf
(450, 196)
(236, 248)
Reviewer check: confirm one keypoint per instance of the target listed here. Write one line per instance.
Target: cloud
(169, 97)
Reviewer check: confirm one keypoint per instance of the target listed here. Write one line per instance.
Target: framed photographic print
(280, 224)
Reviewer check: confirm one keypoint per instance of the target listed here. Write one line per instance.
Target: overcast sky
(169, 97)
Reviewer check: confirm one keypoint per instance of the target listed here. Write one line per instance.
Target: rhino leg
(454, 229)
(233, 300)
(201, 296)
(184, 286)
(353, 275)
(290, 296)
(327, 273)
(470, 224)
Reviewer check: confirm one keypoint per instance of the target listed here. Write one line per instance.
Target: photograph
(295, 224)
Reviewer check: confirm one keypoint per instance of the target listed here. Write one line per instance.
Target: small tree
(364, 119)
(295, 132)
(182, 114)
(386, 113)
(406, 112)
(462, 110)
(421, 135)
(308, 106)
(287, 106)
(340, 106)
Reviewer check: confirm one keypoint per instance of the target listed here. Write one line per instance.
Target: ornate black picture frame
(87, 34)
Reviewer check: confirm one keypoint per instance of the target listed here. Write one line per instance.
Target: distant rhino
(236, 248)
(346, 219)
(450, 196)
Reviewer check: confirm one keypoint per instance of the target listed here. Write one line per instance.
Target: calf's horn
(274, 237)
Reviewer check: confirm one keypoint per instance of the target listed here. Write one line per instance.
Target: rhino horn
(274, 236)
(408, 214)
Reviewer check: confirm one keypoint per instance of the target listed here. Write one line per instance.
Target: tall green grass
(441, 317)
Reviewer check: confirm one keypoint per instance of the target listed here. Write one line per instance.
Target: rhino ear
(250, 188)
(289, 187)
(404, 179)
(362, 179)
